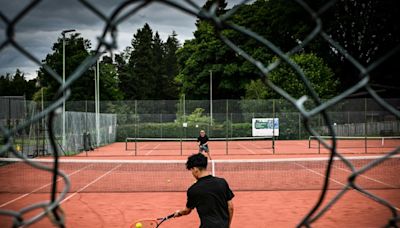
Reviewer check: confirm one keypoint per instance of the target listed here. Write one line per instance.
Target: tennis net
(180, 146)
(365, 144)
(164, 176)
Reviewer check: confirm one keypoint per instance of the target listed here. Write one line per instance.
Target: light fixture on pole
(63, 75)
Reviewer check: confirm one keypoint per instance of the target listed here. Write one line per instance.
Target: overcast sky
(39, 29)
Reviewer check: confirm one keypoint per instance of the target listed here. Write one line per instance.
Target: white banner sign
(265, 127)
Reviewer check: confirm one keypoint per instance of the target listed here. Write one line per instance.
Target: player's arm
(230, 209)
(185, 211)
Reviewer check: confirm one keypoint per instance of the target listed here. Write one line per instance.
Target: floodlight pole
(97, 99)
(63, 75)
(211, 103)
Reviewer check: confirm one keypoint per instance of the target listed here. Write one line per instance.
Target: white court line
(323, 175)
(153, 149)
(367, 177)
(254, 145)
(319, 174)
(249, 150)
(37, 189)
(86, 186)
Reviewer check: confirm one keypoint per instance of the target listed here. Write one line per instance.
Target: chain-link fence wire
(354, 117)
(108, 42)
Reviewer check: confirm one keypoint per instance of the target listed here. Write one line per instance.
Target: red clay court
(111, 187)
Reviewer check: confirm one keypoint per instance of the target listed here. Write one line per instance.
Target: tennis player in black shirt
(203, 143)
(211, 196)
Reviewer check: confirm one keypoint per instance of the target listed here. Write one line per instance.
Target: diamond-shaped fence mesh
(308, 110)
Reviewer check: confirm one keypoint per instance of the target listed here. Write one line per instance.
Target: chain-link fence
(233, 118)
(320, 109)
(81, 132)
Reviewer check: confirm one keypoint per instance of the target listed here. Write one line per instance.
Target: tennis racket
(151, 223)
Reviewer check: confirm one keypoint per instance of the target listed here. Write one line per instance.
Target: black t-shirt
(210, 196)
(202, 140)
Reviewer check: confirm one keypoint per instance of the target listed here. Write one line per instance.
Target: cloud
(40, 28)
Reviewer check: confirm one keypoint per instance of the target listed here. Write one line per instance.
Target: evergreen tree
(147, 70)
(159, 67)
(125, 85)
(171, 46)
(142, 79)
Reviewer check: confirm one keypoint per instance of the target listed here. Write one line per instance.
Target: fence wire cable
(127, 9)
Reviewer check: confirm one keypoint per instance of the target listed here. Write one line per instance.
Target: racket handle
(170, 216)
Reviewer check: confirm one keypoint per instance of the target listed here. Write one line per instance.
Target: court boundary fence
(108, 42)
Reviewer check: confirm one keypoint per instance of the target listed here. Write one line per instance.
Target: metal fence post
(226, 128)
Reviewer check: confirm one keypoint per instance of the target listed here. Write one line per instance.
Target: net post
(181, 146)
(299, 125)
(136, 146)
(231, 126)
(319, 145)
(273, 144)
(86, 141)
(213, 168)
(309, 142)
(136, 118)
(226, 146)
(161, 125)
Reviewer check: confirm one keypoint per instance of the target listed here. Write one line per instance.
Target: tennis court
(113, 193)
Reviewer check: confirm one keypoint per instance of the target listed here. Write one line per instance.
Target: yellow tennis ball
(138, 225)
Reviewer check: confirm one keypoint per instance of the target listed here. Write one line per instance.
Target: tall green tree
(284, 23)
(206, 53)
(109, 81)
(140, 82)
(121, 62)
(77, 49)
(315, 69)
(17, 85)
(148, 68)
(170, 62)
(158, 55)
(5, 85)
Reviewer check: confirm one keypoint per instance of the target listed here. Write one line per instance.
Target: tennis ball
(138, 225)
(168, 180)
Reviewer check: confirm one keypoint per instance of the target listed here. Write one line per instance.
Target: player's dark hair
(196, 160)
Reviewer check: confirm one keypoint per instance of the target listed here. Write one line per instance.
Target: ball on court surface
(138, 225)
(168, 180)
